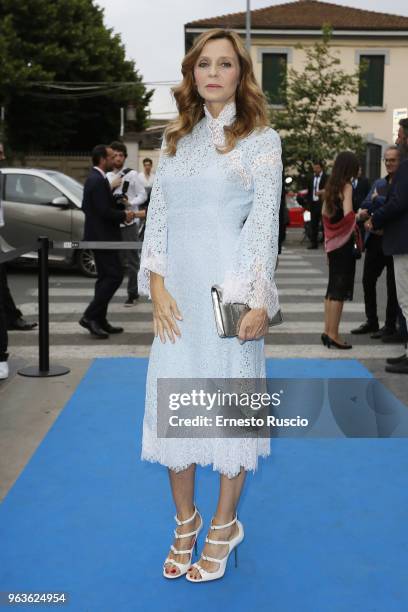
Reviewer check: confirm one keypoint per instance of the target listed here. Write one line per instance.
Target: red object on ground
(295, 210)
(296, 216)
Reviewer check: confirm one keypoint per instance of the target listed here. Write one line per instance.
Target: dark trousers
(110, 276)
(315, 219)
(10, 309)
(130, 259)
(402, 324)
(3, 319)
(374, 263)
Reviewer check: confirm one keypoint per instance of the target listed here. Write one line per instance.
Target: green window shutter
(274, 67)
(371, 89)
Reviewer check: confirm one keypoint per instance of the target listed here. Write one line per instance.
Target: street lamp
(130, 112)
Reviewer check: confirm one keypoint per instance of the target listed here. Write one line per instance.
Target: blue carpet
(325, 520)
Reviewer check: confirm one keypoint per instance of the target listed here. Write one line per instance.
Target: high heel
(324, 338)
(232, 546)
(183, 567)
(331, 342)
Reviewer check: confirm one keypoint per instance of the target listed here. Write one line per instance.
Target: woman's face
(217, 71)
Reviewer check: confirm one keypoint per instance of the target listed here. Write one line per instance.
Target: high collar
(216, 124)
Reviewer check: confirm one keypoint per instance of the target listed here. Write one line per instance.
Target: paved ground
(28, 407)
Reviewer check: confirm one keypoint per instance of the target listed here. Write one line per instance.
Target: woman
(339, 223)
(213, 218)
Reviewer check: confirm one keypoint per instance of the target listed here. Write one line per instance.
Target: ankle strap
(234, 520)
(187, 520)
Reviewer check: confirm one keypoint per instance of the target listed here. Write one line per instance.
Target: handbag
(228, 316)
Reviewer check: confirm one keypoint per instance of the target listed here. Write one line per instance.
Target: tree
(63, 41)
(313, 122)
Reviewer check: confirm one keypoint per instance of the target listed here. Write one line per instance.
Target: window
(274, 67)
(371, 89)
(373, 161)
(72, 185)
(29, 189)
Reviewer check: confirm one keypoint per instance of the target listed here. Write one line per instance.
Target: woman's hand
(165, 310)
(254, 324)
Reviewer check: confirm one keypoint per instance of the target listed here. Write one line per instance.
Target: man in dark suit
(315, 200)
(393, 218)
(102, 223)
(361, 188)
(375, 261)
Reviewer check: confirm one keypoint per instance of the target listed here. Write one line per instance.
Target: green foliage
(63, 40)
(313, 124)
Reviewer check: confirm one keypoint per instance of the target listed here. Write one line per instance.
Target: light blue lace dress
(212, 218)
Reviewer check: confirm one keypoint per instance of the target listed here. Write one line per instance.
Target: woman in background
(339, 221)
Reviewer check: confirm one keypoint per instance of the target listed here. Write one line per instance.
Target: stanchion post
(43, 305)
(44, 369)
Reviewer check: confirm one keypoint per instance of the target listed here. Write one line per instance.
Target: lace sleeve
(153, 256)
(251, 279)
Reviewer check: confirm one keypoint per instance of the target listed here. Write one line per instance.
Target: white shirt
(147, 181)
(316, 184)
(136, 192)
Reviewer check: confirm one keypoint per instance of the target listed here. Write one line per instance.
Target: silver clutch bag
(228, 316)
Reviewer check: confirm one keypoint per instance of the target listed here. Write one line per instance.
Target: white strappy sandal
(232, 546)
(183, 567)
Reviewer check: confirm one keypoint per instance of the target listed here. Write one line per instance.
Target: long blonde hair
(251, 102)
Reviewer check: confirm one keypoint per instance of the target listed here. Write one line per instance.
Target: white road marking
(31, 308)
(282, 270)
(82, 292)
(138, 327)
(102, 348)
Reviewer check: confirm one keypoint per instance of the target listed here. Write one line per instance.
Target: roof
(307, 14)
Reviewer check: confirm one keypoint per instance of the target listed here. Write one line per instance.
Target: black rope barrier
(85, 244)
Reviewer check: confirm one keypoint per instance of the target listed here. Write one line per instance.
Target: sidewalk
(28, 408)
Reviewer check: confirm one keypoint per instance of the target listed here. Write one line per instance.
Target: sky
(153, 34)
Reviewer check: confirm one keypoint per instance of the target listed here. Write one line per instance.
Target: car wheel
(86, 262)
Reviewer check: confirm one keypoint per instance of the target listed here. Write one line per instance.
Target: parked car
(44, 203)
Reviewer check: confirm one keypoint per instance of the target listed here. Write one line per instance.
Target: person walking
(4, 369)
(340, 233)
(102, 223)
(128, 188)
(13, 315)
(374, 260)
(213, 218)
(393, 218)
